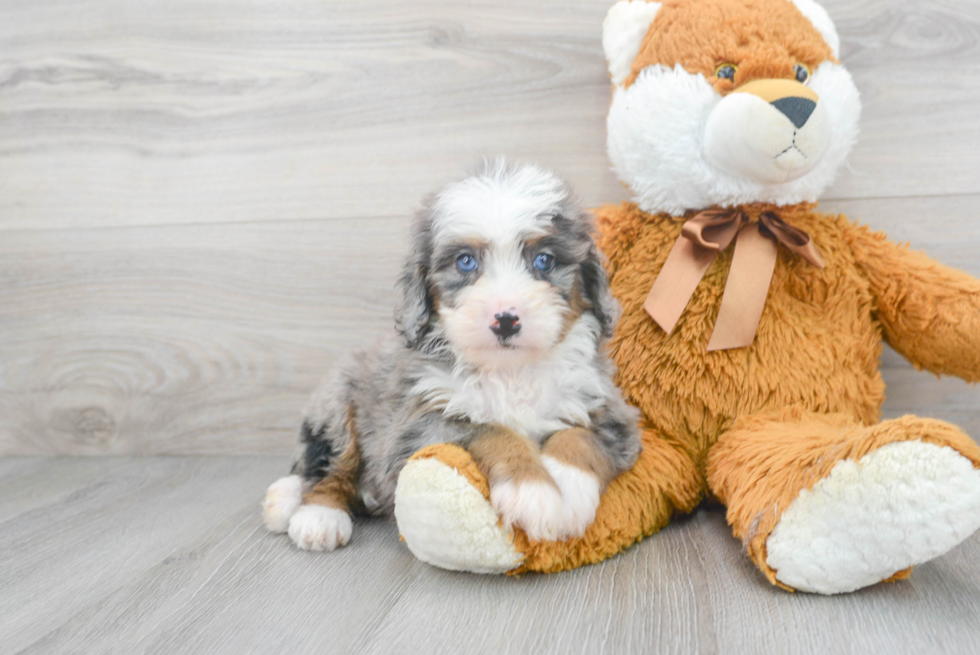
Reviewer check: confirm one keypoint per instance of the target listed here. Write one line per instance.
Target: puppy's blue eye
(544, 262)
(466, 263)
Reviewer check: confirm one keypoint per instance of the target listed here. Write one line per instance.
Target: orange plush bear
(752, 324)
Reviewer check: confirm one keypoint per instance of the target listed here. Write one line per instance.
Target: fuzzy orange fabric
(814, 363)
(929, 313)
(767, 39)
(817, 345)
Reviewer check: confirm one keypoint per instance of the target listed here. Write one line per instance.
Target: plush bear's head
(726, 102)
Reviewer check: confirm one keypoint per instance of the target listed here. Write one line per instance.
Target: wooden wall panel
(203, 204)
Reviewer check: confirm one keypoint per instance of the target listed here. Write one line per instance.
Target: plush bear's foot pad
(447, 522)
(898, 506)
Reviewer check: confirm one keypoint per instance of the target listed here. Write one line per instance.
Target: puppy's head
(504, 265)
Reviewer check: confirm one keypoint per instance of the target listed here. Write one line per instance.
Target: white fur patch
(537, 399)
(532, 505)
(623, 31)
(315, 527)
(282, 499)
(446, 522)
(504, 205)
(821, 20)
(580, 492)
(656, 135)
(901, 505)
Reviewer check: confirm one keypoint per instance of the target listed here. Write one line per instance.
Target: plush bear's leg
(443, 511)
(825, 505)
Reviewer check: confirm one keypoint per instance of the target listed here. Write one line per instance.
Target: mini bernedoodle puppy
(504, 314)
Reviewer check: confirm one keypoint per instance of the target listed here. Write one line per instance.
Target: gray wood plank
(186, 113)
(25, 484)
(122, 113)
(182, 339)
(168, 555)
(78, 548)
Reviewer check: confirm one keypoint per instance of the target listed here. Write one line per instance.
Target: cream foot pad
(447, 522)
(901, 505)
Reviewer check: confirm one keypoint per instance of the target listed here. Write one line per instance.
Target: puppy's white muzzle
(501, 322)
(767, 131)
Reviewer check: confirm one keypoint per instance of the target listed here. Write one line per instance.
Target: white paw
(534, 506)
(283, 497)
(898, 506)
(580, 492)
(315, 527)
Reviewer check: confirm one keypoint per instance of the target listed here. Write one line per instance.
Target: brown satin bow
(702, 238)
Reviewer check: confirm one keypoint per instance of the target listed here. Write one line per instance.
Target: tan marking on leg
(339, 488)
(577, 447)
(502, 454)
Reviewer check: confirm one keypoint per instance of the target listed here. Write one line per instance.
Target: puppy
(504, 313)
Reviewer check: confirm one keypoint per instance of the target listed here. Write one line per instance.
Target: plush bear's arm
(929, 313)
(618, 227)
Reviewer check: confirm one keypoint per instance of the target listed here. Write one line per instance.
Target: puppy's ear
(595, 288)
(415, 308)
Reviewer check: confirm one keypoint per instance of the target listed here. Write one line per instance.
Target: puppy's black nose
(796, 109)
(506, 325)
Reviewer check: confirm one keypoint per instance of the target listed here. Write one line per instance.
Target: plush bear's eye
(726, 72)
(466, 263)
(802, 73)
(544, 262)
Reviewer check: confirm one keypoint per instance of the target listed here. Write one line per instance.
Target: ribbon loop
(702, 238)
(798, 241)
(714, 229)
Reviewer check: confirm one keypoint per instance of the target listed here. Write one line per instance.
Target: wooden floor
(168, 555)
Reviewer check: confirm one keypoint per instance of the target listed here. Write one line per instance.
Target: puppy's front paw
(315, 527)
(580, 491)
(284, 497)
(534, 505)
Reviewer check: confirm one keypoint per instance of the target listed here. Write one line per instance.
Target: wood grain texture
(203, 204)
(168, 555)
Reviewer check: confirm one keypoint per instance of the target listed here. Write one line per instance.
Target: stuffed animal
(752, 324)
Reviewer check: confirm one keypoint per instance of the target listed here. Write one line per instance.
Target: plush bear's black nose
(797, 110)
(506, 325)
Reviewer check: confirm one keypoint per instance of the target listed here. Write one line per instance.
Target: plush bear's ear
(622, 35)
(821, 20)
